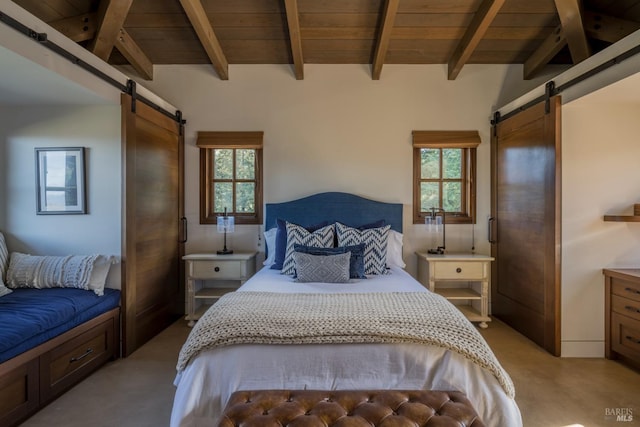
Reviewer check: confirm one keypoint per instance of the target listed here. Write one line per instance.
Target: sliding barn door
(152, 288)
(525, 223)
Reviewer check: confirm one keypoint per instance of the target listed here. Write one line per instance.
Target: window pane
(452, 163)
(245, 164)
(223, 197)
(223, 163)
(429, 163)
(245, 197)
(429, 196)
(452, 196)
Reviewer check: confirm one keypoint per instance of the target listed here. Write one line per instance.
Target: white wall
(336, 130)
(600, 175)
(97, 128)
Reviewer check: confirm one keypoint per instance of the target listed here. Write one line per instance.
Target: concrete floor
(551, 392)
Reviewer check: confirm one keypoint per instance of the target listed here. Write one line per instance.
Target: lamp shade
(226, 224)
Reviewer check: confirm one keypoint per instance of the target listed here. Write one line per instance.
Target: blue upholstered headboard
(347, 208)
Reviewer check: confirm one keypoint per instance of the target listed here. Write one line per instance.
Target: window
(230, 176)
(444, 171)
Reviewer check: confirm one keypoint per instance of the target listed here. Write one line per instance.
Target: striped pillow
(375, 245)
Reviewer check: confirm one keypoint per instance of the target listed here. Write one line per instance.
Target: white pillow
(87, 272)
(394, 250)
(270, 240)
(99, 273)
(4, 265)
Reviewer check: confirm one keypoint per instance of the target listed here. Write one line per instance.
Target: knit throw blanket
(285, 318)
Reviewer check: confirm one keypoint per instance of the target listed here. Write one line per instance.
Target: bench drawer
(66, 364)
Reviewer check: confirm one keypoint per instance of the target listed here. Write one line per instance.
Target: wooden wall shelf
(622, 218)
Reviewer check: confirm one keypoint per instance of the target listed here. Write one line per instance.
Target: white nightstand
(236, 267)
(467, 268)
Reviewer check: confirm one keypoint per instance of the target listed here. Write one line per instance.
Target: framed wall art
(60, 181)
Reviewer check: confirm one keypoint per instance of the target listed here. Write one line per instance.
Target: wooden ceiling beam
(111, 16)
(570, 13)
(136, 57)
(83, 27)
(201, 24)
(608, 28)
(545, 52)
(382, 44)
(596, 25)
(295, 38)
(477, 28)
(78, 28)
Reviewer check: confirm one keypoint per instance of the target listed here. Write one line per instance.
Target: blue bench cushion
(29, 317)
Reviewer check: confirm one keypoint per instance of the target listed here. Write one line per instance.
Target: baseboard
(582, 349)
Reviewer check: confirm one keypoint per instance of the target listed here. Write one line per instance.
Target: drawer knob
(458, 270)
(633, 291)
(216, 269)
(77, 359)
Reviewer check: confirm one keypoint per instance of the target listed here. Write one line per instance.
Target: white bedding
(209, 379)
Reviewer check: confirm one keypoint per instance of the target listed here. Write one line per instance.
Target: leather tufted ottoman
(349, 408)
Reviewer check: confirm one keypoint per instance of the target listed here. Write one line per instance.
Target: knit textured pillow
(322, 268)
(4, 264)
(375, 245)
(322, 238)
(32, 271)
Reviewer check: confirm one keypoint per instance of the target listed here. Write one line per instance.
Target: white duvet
(205, 385)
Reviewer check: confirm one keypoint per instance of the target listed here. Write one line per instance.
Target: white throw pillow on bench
(4, 264)
(87, 272)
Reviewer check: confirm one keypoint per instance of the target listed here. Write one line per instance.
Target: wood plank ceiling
(376, 32)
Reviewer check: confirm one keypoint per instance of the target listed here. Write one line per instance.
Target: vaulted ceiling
(376, 32)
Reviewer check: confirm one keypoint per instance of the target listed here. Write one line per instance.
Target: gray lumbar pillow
(322, 268)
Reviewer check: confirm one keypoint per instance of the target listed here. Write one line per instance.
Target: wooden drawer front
(625, 289)
(217, 269)
(625, 336)
(19, 393)
(61, 367)
(626, 307)
(458, 270)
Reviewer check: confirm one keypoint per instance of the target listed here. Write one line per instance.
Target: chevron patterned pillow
(375, 245)
(322, 238)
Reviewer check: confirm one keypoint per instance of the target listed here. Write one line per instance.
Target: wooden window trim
(466, 140)
(207, 141)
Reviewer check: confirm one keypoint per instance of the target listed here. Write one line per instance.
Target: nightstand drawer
(626, 307)
(626, 289)
(625, 336)
(458, 270)
(216, 269)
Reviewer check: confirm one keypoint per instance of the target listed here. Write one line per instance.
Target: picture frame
(60, 181)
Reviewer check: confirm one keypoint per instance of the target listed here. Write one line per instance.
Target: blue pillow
(281, 240)
(356, 262)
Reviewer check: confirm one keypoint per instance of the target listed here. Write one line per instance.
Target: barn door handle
(183, 223)
(491, 221)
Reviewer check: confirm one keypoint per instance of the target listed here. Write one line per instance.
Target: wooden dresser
(622, 316)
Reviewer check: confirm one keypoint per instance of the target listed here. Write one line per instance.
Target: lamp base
(438, 251)
(225, 251)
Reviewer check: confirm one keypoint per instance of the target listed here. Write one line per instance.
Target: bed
(52, 337)
(304, 347)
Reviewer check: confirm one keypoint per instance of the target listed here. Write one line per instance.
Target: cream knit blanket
(285, 318)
